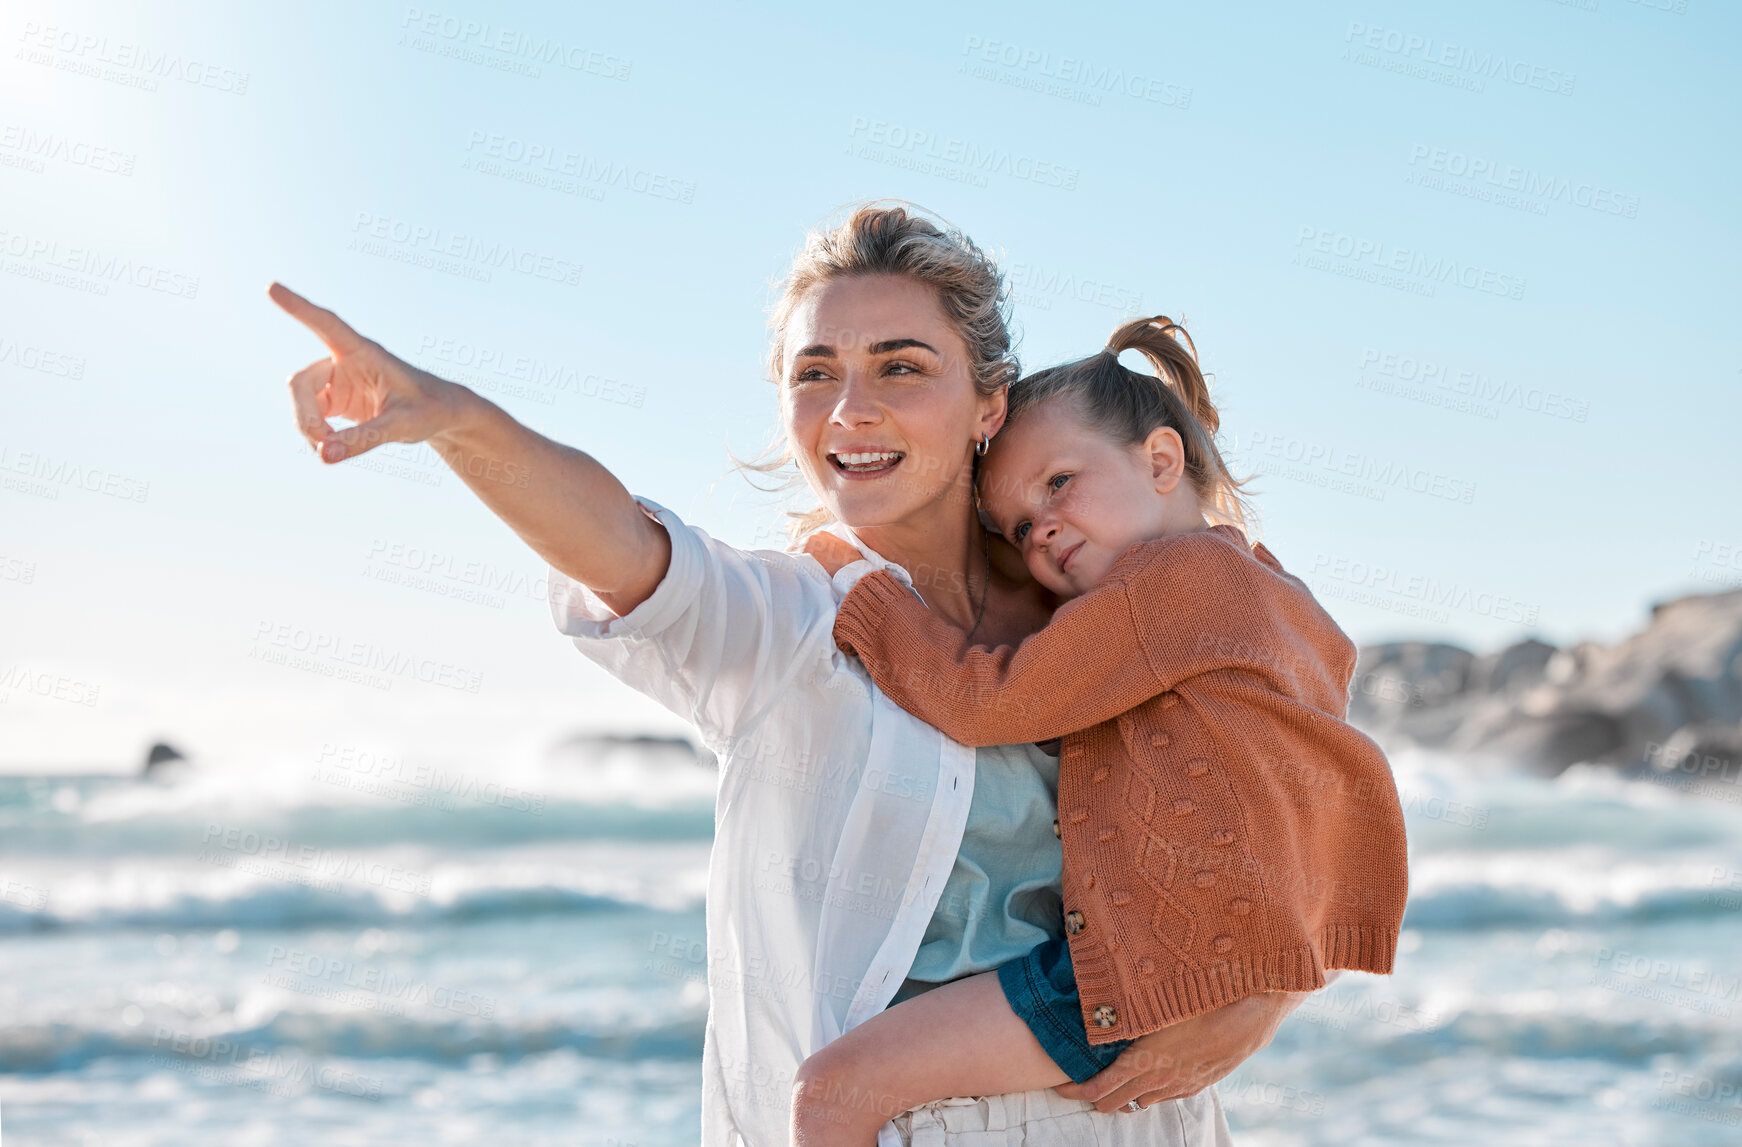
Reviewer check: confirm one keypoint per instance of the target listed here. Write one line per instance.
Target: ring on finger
(1133, 1105)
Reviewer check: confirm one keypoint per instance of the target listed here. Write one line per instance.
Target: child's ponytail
(1127, 405)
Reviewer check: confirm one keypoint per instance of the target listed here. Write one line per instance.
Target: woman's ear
(1166, 452)
(997, 407)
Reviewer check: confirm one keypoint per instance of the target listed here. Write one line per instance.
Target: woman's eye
(1059, 480)
(902, 367)
(809, 374)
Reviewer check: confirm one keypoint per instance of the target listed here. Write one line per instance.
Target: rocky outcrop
(163, 758)
(1671, 693)
(651, 748)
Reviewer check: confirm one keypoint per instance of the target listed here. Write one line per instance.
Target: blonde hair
(892, 238)
(1126, 406)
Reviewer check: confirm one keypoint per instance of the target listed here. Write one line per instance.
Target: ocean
(363, 952)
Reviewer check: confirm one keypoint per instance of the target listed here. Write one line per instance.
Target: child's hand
(831, 552)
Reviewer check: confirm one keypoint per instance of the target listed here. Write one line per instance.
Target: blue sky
(1464, 276)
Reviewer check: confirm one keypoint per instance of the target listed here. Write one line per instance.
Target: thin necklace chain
(986, 580)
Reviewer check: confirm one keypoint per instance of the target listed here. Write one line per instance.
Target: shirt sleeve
(724, 633)
(1101, 655)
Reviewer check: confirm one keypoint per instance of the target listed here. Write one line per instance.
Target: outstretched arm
(562, 503)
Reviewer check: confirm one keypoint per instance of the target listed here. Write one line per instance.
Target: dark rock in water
(1516, 666)
(596, 745)
(160, 756)
(1672, 690)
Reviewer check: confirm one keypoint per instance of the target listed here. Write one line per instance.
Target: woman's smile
(862, 462)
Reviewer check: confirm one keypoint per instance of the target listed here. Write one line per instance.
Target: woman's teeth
(868, 461)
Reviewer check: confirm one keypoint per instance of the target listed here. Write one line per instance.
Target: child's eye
(1020, 532)
(1058, 480)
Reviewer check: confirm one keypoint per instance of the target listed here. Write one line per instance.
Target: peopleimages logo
(1474, 64)
(1031, 66)
(969, 157)
(1534, 184)
(423, 243)
(1476, 385)
(1428, 269)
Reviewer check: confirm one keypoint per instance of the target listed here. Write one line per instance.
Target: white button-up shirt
(838, 819)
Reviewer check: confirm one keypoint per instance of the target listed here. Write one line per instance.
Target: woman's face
(878, 399)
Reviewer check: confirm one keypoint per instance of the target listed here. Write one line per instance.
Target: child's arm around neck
(1166, 610)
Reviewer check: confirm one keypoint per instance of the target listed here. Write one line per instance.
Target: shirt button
(1073, 921)
(1056, 831)
(1106, 1016)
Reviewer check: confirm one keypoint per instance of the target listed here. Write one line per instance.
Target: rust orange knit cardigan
(1225, 831)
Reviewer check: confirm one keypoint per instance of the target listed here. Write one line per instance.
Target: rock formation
(1664, 699)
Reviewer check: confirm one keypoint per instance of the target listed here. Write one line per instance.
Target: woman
(859, 855)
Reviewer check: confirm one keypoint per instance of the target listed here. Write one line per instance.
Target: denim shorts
(1042, 990)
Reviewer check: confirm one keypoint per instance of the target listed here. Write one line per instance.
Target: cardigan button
(1073, 921)
(1056, 831)
(1204, 879)
(1146, 966)
(1107, 834)
(1183, 807)
(1106, 1016)
(1168, 700)
(1222, 838)
(1239, 906)
(1079, 815)
(1160, 741)
(1101, 773)
(1074, 751)
(1197, 767)
(1222, 943)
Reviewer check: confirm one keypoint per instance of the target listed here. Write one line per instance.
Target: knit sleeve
(1087, 666)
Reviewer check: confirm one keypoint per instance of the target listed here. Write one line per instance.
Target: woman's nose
(855, 407)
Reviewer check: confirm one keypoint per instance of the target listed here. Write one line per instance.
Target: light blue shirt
(1003, 895)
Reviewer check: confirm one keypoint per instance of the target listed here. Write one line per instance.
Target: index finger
(330, 328)
(1103, 1083)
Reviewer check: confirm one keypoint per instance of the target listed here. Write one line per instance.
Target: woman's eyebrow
(899, 344)
(823, 350)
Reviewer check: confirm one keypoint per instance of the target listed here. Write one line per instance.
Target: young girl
(1225, 831)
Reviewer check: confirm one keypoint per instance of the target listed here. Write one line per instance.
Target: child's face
(1071, 499)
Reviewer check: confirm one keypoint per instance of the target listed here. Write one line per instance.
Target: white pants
(1047, 1119)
